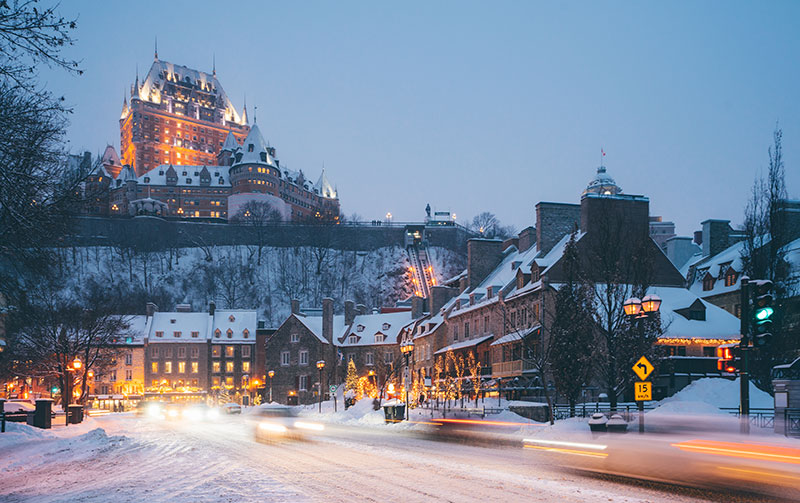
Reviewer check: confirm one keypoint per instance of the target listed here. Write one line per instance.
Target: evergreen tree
(351, 381)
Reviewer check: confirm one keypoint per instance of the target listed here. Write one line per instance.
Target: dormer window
(172, 321)
(176, 334)
(380, 337)
(730, 277)
(159, 333)
(353, 339)
(230, 333)
(246, 333)
(231, 318)
(184, 173)
(189, 181)
(263, 156)
(147, 179)
(217, 333)
(160, 172)
(708, 282)
(360, 328)
(386, 326)
(250, 147)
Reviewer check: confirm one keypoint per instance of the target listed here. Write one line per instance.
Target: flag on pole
(602, 152)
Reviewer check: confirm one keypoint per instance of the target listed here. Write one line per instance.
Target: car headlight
(309, 426)
(154, 410)
(172, 413)
(272, 427)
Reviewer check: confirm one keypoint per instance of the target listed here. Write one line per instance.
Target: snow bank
(717, 393)
(17, 433)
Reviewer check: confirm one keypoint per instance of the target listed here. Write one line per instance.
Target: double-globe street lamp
(66, 394)
(407, 348)
(636, 309)
(320, 366)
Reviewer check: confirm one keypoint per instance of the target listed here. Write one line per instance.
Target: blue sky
(476, 106)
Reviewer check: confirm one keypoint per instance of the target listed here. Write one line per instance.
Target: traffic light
(762, 312)
(729, 358)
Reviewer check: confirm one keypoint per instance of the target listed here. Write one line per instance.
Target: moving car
(232, 408)
(276, 422)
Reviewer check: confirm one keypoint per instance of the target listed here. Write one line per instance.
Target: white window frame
(302, 383)
(303, 357)
(285, 360)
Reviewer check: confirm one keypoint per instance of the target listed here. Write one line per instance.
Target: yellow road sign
(644, 391)
(643, 368)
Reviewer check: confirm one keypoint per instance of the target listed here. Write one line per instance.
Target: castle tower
(177, 115)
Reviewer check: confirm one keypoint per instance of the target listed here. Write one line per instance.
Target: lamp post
(271, 374)
(320, 366)
(407, 348)
(636, 309)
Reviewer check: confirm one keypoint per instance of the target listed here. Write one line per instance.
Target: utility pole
(744, 348)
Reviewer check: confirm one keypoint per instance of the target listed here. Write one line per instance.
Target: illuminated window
(154, 367)
(215, 381)
(229, 381)
(229, 351)
(215, 367)
(195, 367)
(181, 367)
(167, 367)
(245, 366)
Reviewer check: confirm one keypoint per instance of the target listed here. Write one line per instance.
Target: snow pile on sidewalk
(362, 413)
(709, 396)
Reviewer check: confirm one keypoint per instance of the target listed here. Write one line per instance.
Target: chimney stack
(439, 297)
(151, 309)
(183, 308)
(483, 255)
(327, 319)
(417, 308)
(212, 307)
(295, 306)
(361, 309)
(526, 238)
(349, 312)
(553, 222)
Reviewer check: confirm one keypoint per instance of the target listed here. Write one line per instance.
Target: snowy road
(139, 460)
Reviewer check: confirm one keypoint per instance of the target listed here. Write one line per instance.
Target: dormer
(731, 276)
(172, 176)
(696, 311)
(708, 282)
(522, 278)
(205, 177)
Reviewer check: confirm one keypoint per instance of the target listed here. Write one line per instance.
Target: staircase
(422, 271)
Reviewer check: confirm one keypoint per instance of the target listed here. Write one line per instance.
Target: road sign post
(643, 390)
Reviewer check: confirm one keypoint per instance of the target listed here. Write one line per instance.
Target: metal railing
(763, 418)
(627, 411)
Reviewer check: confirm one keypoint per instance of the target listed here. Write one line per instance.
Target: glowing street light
(320, 366)
(407, 348)
(271, 374)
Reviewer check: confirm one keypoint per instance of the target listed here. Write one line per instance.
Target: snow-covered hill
(233, 276)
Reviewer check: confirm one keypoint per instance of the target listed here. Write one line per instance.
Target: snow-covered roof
(464, 344)
(136, 331)
(255, 150)
(161, 72)
(516, 336)
(165, 325)
(230, 142)
(188, 175)
(234, 326)
(366, 327)
(602, 184)
(314, 325)
(324, 186)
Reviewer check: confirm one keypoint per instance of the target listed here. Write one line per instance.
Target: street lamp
(638, 309)
(320, 366)
(271, 374)
(76, 363)
(407, 348)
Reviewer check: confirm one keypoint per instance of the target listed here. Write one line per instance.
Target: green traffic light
(764, 313)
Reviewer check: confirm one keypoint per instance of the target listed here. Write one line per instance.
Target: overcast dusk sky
(476, 106)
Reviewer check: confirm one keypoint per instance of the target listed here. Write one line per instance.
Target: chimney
(526, 238)
(349, 312)
(417, 308)
(183, 308)
(716, 234)
(626, 216)
(327, 319)
(439, 297)
(295, 306)
(151, 309)
(483, 255)
(212, 307)
(553, 222)
(514, 241)
(698, 238)
(361, 309)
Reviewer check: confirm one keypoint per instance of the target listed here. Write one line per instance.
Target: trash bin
(43, 415)
(75, 414)
(616, 424)
(394, 413)
(598, 422)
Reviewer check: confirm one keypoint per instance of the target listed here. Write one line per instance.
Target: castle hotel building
(187, 152)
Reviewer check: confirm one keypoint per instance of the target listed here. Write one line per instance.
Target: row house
(124, 382)
(368, 339)
(506, 294)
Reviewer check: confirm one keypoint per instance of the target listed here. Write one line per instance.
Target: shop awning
(516, 336)
(464, 344)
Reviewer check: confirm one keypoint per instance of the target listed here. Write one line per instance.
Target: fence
(763, 418)
(628, 411)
